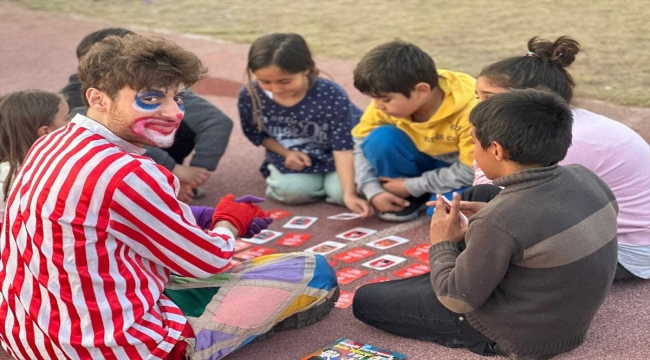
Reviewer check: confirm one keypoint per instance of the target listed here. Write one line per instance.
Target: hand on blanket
(240, 213)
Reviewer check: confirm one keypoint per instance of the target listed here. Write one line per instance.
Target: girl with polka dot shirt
(303, 121)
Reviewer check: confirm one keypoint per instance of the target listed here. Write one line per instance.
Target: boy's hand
(446, 227)
(388, 202)
(192, 175)
(358, 205)
(297, 160)
(396, 186)
(469, 208)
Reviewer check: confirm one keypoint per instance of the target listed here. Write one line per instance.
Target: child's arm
(459, 174)
(344, 162)
(442, 180)
(454, 276)
(212, 128)
(368, 183)
(294, 160)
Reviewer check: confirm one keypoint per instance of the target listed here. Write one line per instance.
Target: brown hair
(139, 62)
(289, 52)
(94, 37)
(22, 113)
(543, 67)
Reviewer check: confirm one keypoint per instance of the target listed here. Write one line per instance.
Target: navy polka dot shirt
(318, 124)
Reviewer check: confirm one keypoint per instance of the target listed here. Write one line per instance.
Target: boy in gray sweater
(527, 276)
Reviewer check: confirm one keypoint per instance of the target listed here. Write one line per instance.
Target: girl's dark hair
(543, 67)
(287, 51)
(22, 113)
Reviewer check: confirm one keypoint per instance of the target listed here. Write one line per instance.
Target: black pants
(410, 308)
(184, 142)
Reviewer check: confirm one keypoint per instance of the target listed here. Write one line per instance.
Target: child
(608, 148)
(204, 130)
(538, 260)
(413, 139)
(24, 117)
(304, 123)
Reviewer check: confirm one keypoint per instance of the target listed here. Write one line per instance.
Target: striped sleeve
(146, 216)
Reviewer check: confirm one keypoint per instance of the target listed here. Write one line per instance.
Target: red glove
(240, 215)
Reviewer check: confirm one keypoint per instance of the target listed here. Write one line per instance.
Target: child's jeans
(393, 154)
(303, 188)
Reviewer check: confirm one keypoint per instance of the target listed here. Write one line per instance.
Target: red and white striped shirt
(93, 231)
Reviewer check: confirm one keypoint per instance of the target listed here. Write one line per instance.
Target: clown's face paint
(157, 126)
(149, 117)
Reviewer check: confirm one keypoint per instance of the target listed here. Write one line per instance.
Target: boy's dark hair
(534, 126)
(543, 67)
(97, 36)
(394, 67)
(139, 62)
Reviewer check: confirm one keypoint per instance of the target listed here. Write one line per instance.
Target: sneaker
(408, 213)
(304, 318)
(198, 193)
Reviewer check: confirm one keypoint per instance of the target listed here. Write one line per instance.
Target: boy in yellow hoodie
(413, 139)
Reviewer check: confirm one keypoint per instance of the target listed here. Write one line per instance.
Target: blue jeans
(393, 154)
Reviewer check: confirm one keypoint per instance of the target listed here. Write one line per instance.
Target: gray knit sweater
(539, 261)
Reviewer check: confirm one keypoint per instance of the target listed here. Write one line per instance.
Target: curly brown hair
(139, 62)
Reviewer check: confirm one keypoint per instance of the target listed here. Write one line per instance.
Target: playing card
(345, 299)
(356, 234)
(293, 239)
(412, 270)
(277, 214)
(384, 262)
(421, 252)
(263, 237)
(353, 255)
(387, 242)
(300, 222)
(348, 275)
(344, 216)
(241, 245)
(332, 263)
(325, 247)
(254, 252)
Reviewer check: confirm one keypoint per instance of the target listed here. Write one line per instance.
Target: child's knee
(381, 141)
(296, 191)
(333, 189)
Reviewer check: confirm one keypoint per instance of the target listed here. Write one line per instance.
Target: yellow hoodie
(446, 132)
